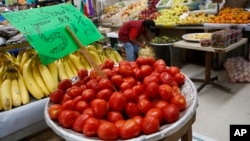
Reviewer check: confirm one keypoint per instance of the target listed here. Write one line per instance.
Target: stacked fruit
(151, 12)
(136, 98)
(169, 17)
(196, 18)
(232, 16)
(25, 75)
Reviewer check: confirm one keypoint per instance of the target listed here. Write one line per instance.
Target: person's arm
(133, 37)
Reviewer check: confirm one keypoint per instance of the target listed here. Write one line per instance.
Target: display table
(208, 60)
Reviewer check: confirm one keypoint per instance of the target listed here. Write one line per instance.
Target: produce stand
(208, 60)
(182, 128)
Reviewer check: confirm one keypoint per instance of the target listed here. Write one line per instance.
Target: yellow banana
(54, 72)
(29, 81)
(47, 77)
(15, 93)
(85, 62)
(68, 70)
(6, 99)
(117, 55)
(24, 94)
(72, 66)
(1, 107)
(76, 61)
(61, 70)
(96, 57)
(39, 80)
(92, 48)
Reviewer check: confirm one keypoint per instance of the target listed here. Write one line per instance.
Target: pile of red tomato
(136, 98)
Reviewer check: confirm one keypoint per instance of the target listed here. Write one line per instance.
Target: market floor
(217, 109)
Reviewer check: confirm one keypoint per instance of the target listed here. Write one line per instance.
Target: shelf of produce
(21, 117)
(166, 132)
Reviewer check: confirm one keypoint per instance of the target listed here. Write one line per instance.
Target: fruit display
(232, 16)
(136, 99)
(24, 77)
(169, 17)
(164, 39)
(171, 3)
(151, 12)
(195, 18)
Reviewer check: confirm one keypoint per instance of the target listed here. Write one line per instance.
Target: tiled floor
(218, 109)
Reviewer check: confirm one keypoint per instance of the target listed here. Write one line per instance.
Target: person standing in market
(133, 34)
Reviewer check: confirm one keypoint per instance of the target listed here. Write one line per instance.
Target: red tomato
(79, 122)
(91, 126)
(150, 124)
(139, 89)
(130, 79)
(142, 96)
(124, 62)
(77, 99)
(130, 129)
(88, 95)
(166, 92)
(65, 98)
(117, 102)
(91, 84)
(107, 131)
(64, 84)
(179, 101)
(165, 78)
(137, 74)
(115, 69)
(161, 104)
(171, 113)
(146, 70)
(56, 96)
(74, 91)
(126, 85)
(144, 105)
(54, 111)
(133, 64)
(160, 68)
(114, 116)
(179, 78)
(125, 70)
(100, 108)
(130, 94)
(109, 73)
(159, 62)
(89, 111)
(104, 94)
(152, 90)
(108, 63)
(104, 84)
(138, 119)
(93, 74)
(66, 118)
(116, 80)
(173, 70)
(155, 112)
(141, 61)
(82, 73)
(150, 61)
(132, 110)
(150, 78)
(68, 105)
(81, 106)
(119, 124)
(78, 83)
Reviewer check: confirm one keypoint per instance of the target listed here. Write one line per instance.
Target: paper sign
(44, 28)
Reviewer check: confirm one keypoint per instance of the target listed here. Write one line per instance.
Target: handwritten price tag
(44, 28)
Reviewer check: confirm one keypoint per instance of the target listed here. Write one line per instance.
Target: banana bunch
(13, 92)
(100, 54)
(39, 79)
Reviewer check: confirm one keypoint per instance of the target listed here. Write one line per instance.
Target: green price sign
(44, 28)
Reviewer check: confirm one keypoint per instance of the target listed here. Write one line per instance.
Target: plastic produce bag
(146, 52)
